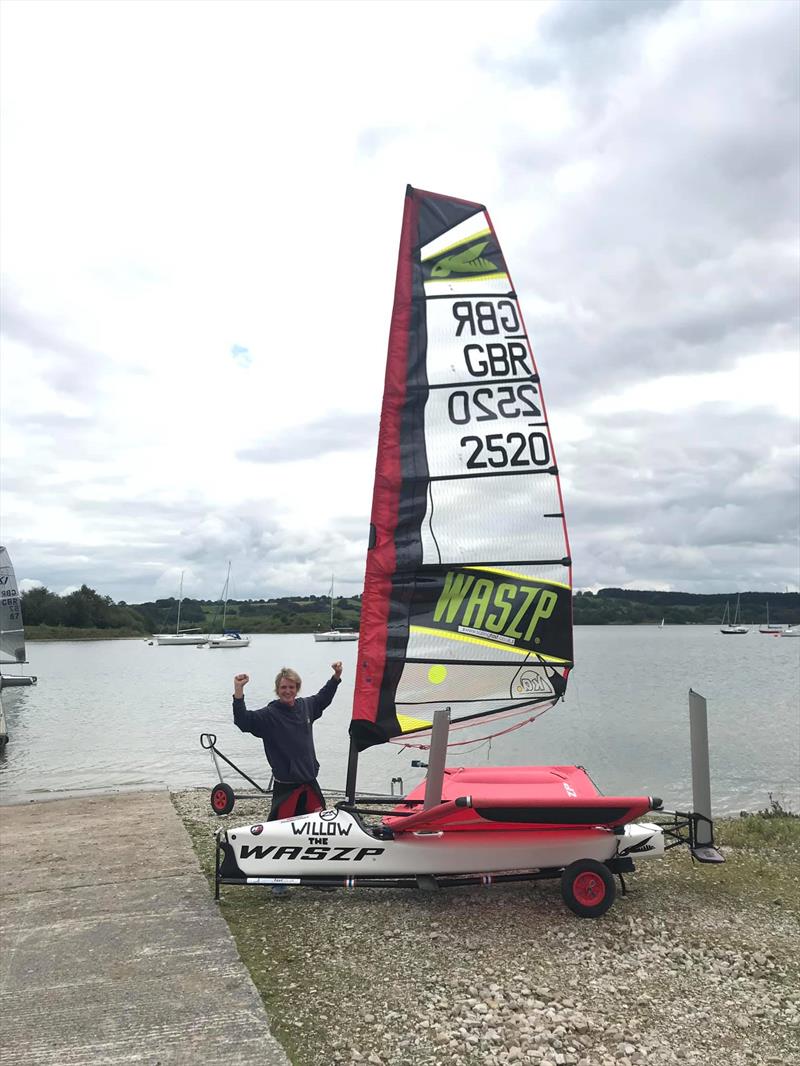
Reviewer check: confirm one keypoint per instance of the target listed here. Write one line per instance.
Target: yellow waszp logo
(507, 609)
(467, 261)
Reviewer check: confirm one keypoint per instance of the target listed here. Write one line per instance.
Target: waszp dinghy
(466, 623)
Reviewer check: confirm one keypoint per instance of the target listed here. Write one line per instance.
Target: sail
(12, 635)
(467, 593)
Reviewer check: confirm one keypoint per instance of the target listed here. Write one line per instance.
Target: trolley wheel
(587, 888)
(222, 798)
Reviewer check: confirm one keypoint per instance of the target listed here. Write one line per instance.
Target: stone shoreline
(694, 962)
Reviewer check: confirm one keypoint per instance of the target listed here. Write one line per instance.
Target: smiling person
(286, 727)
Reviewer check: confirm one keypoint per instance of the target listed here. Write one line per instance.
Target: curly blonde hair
(292, 675)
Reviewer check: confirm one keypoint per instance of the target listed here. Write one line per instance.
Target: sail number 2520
(500, 450)
(488, 404)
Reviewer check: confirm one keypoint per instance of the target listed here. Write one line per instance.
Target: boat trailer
(222, 796)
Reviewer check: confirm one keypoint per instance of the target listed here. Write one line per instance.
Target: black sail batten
(463, 428)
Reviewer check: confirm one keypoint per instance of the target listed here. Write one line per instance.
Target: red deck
(505, 797)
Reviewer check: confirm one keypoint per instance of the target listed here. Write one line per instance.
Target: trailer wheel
(587, 888)
(222, 798)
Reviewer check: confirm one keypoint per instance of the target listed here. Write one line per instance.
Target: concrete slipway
(112, 949)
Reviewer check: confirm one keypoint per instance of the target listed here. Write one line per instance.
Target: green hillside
(87, 613)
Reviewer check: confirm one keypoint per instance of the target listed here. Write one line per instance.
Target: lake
(109, 714)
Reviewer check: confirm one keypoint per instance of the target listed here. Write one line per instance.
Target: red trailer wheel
(587, 888)
(222, 798)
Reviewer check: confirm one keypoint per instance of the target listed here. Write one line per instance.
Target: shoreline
(33, 638)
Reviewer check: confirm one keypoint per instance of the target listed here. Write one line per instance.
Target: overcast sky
(201, 208)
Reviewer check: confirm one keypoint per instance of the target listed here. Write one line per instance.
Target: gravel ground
(694, 962)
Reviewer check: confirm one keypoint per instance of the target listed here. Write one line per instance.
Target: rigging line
(482, 740)
(552, 699)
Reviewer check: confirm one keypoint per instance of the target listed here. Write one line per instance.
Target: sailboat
(771, 628)
(228, 638)
(466, 624)
(182, 637)
(334, 634)
(735, 627)
(12, 632)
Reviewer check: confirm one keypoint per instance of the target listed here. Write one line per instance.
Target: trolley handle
(208, 740)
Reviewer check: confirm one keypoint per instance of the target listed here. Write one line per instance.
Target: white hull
(734, 630)
(335, 635)
(180, 638)
(228, 642)
(10, 680)
(792, 631)
(332, 844)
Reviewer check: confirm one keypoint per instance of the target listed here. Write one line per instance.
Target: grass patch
(767, 829)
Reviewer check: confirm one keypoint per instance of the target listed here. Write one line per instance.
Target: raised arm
(322, 699)
(247, 721)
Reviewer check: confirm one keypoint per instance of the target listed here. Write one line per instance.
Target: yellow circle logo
(437, 674)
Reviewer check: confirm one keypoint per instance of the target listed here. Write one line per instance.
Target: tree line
(46, 614)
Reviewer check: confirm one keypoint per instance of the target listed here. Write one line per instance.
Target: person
(286, 728)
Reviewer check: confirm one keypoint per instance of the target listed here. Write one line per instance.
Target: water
(124, 713)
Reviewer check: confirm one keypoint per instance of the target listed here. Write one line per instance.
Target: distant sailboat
(188, 636)
(228, 638)
(12, 632)
(735, 627)
(662, 624)
(335, 634)
(770, 627)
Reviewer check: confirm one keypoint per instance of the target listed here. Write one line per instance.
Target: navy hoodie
(287, 732)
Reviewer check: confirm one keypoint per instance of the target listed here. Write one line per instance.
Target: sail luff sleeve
(381, 553)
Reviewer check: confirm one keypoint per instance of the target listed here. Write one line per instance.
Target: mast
(180, 601)
(225, 596)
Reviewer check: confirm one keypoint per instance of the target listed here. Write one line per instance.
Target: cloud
(337, 432)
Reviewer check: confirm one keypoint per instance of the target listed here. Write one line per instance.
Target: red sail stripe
(381, 557)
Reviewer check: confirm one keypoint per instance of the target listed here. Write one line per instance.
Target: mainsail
(12, 634)
(467, 595)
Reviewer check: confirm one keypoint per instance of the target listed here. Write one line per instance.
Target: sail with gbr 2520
(467, 594)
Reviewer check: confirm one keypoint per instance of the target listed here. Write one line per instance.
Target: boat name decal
(290, 852)
(321, 829)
